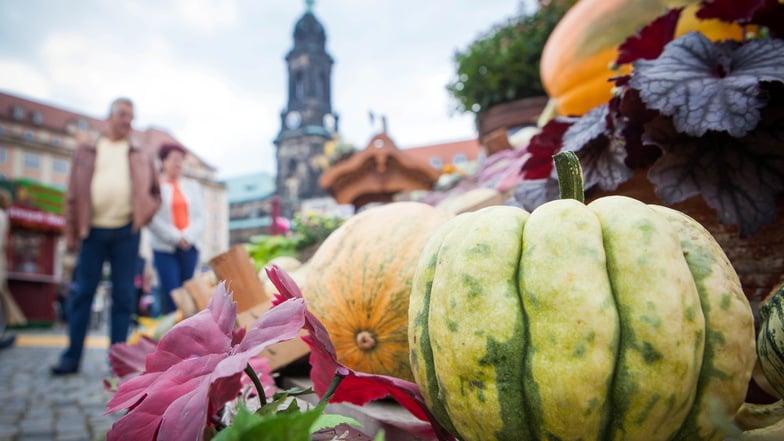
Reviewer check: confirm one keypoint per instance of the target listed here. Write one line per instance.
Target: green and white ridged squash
(612, 321)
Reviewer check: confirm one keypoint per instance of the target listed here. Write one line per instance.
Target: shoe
(62, 369)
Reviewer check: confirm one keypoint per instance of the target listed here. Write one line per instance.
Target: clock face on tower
(293, 119)
(329, 122)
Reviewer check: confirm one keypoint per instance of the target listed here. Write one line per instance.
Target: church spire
(309, 5)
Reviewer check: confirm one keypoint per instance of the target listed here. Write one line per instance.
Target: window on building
(38, 118)
(57, 141)
(459, 159)
(32, 160)
(29, 135)
(3, 155)
(83, 126)
(17, 112)
(436, 162)
(2, 129)
(60, 166)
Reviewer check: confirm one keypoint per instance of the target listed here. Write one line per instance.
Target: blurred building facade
(250, 206)
(37, 140)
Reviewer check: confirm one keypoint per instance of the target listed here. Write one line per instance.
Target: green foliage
(307, 230)
(314, 228)
(289, 423)
(264, 247)
(503, 64)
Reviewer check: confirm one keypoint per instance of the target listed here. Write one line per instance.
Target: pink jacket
(146, 197)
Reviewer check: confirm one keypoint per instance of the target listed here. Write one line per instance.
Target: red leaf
(542, 147)
(729, 10)
(650, 41)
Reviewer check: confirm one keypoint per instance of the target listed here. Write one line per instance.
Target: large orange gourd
(359, 282)
(578, 56)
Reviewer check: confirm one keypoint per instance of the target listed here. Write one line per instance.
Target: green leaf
(293, 426)
(331, 420)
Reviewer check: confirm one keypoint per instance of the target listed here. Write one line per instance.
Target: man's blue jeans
(173, 270)
(120, 246)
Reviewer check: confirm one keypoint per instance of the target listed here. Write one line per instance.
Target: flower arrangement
(703, 118)
(195, 383)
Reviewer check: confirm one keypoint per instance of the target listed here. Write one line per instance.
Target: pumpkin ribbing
(359, 281)
(615, 320)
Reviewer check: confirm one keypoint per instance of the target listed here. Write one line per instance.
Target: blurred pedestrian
(12, 315)
(177, 227)
(112, 193)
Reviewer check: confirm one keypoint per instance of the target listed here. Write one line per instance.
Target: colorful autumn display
(615, 320)
(359, 281)
(577, 60)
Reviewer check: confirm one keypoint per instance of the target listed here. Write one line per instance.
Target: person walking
(112, 193)
(177, 227)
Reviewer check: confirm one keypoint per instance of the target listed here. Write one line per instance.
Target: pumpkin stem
(365, 341)
(570, 176)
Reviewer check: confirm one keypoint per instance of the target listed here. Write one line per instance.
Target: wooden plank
(236, 268)
(199, 290)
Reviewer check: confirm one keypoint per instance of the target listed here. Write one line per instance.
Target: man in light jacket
(112, 193)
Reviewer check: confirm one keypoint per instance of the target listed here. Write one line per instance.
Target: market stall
(36, 223)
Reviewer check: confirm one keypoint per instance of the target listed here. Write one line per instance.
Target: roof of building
(37, 113)
(446, 150)
(375, 172)
(249, 187)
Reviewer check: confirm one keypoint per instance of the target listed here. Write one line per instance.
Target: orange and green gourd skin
(577, 59)
(613, 320)
(359, 281)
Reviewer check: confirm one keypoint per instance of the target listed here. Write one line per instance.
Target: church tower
(307, 122)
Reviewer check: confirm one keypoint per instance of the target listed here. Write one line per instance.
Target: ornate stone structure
(308, 121)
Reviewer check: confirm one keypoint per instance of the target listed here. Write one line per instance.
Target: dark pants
(173, 270)
(120, 246)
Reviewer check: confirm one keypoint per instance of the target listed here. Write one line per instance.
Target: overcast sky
(212, 72)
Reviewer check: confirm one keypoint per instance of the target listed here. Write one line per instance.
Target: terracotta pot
(758, 260)
(493, 124)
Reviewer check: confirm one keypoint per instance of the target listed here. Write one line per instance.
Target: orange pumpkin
(578, 56)
(359, 281)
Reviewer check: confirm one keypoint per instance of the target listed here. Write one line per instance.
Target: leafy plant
(706, 119)
(307, 230)
(178, 387)
(503, 64)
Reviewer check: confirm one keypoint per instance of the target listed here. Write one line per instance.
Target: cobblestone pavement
(37, 406)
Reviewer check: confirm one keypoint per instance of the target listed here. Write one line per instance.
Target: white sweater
(163, 234)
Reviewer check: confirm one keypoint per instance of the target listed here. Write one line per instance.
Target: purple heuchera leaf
(710, 86)
(196, 368)
(601, 154)
(739, 178)
(356, 387)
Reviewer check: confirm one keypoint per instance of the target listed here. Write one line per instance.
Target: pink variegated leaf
(196, 368)
(127, 359)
